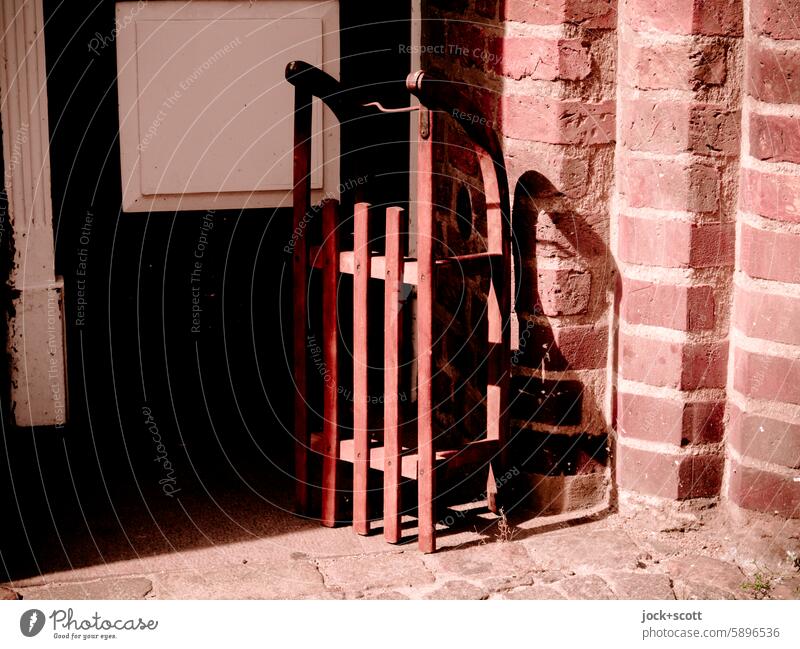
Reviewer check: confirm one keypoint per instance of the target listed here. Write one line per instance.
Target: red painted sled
(403, 449)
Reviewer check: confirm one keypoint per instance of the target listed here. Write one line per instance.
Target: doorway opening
(180, 387)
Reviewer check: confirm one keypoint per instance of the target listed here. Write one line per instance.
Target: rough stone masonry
(654, 152)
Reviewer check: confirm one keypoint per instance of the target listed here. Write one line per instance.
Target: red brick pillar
(764, 383)
(677, 162)
(543, 73)
(558, 121)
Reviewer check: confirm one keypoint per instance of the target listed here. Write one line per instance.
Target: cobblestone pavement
(638, 556)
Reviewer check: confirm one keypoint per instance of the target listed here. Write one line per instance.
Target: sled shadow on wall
(566, 296)
(565, 288)
(564, 279)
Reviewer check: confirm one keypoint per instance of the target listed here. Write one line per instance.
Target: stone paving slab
(298, 579)
(382, 595)
(786, 587)
(603, 559)
(639, 585)
(536, 591)
(701, 575)
(458, 590)
(496, 566)
(692, 590)
(113, 588)
(578, 550)
(585, 587)
(550, 576)
(6, 594)
(392, 570)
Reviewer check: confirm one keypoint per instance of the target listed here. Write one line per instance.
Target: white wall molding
(35, 318)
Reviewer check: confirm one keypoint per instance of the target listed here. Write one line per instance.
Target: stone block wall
(678, 161)
(653, 149)
(763, 433)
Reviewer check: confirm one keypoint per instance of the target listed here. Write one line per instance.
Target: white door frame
(35, 319)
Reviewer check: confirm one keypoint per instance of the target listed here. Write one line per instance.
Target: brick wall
(461, 35)
(763, 441)
(653, 150)
(558, 127)
(544, 75)
(677, 156)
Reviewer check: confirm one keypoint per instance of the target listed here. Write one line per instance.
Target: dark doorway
(158, 403)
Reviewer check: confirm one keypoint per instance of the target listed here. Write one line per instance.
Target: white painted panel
(205, 110)
(214, 109)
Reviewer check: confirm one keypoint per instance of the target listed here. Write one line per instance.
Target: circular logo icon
(31, 622)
